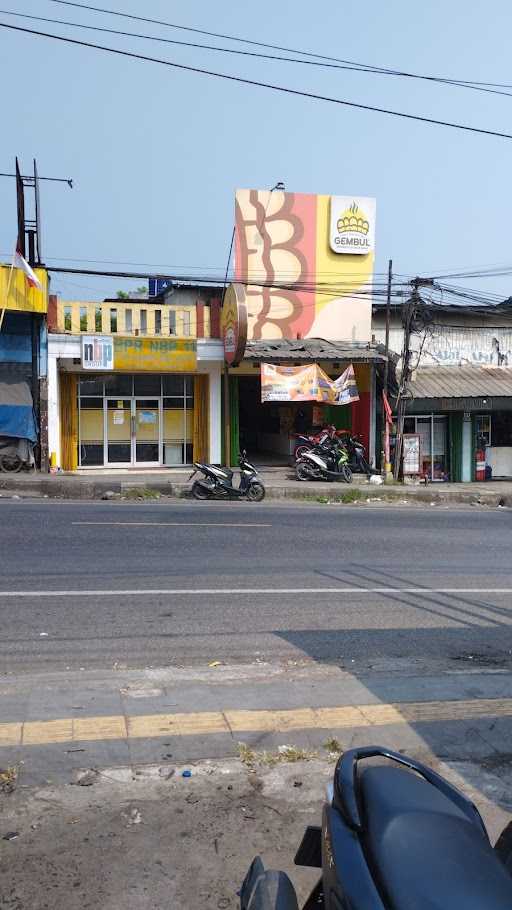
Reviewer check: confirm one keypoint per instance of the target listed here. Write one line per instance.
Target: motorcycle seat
(424, 852)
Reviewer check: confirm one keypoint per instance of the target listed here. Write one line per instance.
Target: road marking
(237, 722)
(229, 592)
(175, 524)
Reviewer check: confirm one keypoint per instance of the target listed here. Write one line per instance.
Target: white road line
(175, 524)
(149, 592)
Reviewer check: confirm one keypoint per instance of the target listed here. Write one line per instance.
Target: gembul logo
(352, 226)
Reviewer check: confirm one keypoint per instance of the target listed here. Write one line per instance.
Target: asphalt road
(95, 585)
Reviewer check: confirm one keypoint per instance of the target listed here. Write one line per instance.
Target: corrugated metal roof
(309, 349)
(462, 382)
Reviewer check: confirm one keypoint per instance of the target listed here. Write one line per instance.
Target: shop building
(135, 383)
(306, 263)
(23, 352)
(459, 399)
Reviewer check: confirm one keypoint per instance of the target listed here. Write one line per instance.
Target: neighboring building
(23, 347)
(460, 400)
(135, 383)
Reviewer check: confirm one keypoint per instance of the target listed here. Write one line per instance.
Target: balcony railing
(122, 317)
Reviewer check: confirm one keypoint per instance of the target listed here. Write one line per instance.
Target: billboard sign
(287, 248)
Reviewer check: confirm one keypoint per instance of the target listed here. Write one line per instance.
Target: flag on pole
(20, 263)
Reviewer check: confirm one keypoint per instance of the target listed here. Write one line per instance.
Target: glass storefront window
(91, 385)
(125, 419)
(118, 384)
(147, 385)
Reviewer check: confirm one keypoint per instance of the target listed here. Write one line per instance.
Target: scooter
(394, 836)
(327, 461)
(218, 482)
(356, 453)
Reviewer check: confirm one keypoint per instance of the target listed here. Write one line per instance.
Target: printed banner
(308, 383)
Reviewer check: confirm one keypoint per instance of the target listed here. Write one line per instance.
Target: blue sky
(156, 154)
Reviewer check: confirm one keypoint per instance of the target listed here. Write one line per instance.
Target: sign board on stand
(411, 453)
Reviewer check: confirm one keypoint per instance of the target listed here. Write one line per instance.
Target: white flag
(20, 263)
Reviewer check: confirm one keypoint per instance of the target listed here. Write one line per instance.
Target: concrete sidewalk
(280, 483)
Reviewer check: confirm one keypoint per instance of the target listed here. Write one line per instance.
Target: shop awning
(311, 350)
(462, 382)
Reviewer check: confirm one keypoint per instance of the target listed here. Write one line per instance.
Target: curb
(71, 488)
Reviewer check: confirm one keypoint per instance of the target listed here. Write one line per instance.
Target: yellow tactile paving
(236, 722)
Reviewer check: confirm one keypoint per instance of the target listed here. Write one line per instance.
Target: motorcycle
(356, 453)
(218, 482)
(305, 443)
(326, 461)
(394, 836)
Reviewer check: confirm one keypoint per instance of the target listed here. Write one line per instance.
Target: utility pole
(387, 463)
(409, 312)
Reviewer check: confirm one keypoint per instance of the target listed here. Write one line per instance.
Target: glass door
(118, 431)
(146, 431)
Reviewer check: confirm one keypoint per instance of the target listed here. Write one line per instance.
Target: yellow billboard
(155, 354)
(16, 293)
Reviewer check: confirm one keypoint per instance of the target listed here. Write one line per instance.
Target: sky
(156, 154)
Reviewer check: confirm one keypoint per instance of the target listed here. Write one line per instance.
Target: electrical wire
(367, 67)
(244, 81)
(255, 54)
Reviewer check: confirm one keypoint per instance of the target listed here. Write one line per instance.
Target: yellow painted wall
(21, 296)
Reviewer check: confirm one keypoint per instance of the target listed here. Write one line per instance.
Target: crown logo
(353, 221)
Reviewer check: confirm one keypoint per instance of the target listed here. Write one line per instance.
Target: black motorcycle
(217, 483)
(392, 840)
(356, 451)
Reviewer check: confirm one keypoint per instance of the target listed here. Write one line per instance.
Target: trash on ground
(8, 779)
(215, 663)
(133, 817)
(11, 835)
(186, 773)
(87, 778)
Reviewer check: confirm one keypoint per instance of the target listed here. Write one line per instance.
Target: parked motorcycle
(394, 836)
(326, 461)
(16, 454)
(306, 442)
(356, 453)
(218, 482)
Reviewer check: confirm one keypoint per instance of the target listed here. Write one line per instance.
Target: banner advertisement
(309, 383)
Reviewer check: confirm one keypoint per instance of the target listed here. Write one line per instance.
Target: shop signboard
(97, 352)
(309, 383)
(155, 354)
(352, 229)
(234, 324)
(411, 453)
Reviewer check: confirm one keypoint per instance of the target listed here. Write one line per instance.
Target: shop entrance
(135, 421)
(133, 431)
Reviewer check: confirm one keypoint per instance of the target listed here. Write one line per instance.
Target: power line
(277, 47)
(244, 81)
(350, 67)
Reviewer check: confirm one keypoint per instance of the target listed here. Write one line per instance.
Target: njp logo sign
(97, 352)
